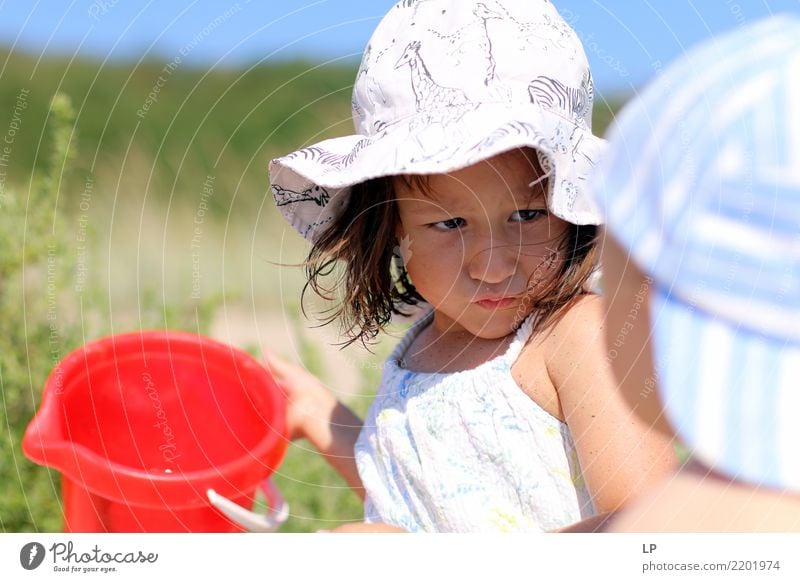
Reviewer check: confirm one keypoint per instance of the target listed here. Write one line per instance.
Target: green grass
(318, 498)
(226, 123)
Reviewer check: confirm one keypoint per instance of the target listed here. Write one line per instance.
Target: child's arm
(597, 523)
(363, 527)
(314, 413)
(620, 456)
(697, 500)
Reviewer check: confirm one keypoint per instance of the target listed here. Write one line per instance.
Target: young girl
(464, 190)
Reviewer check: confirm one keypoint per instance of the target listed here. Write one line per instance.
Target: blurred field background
(120, 213)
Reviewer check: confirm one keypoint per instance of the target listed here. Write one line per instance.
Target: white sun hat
(445, 84)
(701, 186)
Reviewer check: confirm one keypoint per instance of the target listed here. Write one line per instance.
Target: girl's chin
(487, 324)
(495, 329)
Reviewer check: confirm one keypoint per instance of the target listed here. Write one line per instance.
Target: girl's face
(479, 242)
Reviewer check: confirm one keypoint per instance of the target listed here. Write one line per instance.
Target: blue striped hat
(701, 185)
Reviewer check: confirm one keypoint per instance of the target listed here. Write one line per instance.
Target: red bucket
(146, 427)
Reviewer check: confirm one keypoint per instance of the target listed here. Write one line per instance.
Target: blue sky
(625, 40)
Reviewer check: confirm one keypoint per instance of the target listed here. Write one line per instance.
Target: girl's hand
(314, 413)
(308, 400)
(364, 527)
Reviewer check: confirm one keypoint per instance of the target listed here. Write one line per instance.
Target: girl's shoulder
(546, 356)
(585, 315)
(577, 334)
(576, 353)
(575, 341)
(580, 324)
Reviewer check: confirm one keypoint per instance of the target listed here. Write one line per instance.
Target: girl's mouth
(496, 303)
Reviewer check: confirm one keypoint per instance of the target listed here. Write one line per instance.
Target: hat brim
(311, 185)
(731, 394)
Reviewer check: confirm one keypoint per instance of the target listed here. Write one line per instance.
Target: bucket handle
(250, 520)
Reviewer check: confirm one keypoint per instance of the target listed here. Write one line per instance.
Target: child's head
(701, 192)
(452, 95)
(478, 244)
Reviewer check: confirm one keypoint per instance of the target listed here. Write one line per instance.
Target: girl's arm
(696, 499)
(364, 527)
(620, 456)
(595, 524)
(314, 413)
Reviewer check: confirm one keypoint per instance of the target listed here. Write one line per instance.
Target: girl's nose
(493, 265)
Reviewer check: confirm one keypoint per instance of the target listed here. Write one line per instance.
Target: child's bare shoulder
(575, 348)
(555, 355)
(582, 322)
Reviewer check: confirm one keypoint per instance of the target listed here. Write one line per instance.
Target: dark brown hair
(356, 250)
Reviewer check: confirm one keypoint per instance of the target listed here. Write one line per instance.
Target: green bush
(32, 336)
(48, 308)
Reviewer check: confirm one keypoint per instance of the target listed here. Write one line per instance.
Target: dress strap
(413, 332)
(520, 338)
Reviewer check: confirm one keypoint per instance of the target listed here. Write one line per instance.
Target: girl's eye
(451, 224)
(527, 215)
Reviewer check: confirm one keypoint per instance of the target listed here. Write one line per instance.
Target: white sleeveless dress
(466, 451)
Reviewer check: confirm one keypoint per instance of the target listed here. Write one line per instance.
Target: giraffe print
(556, 33)
(485, 14)
(473, 33)
(316, 194)
(315, 227)
(440, 107)
(454, 37)
(372, 90)
(429, 94)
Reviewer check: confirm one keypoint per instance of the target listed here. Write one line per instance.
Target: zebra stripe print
(323, 156)
(553, 94)
(409, 3)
